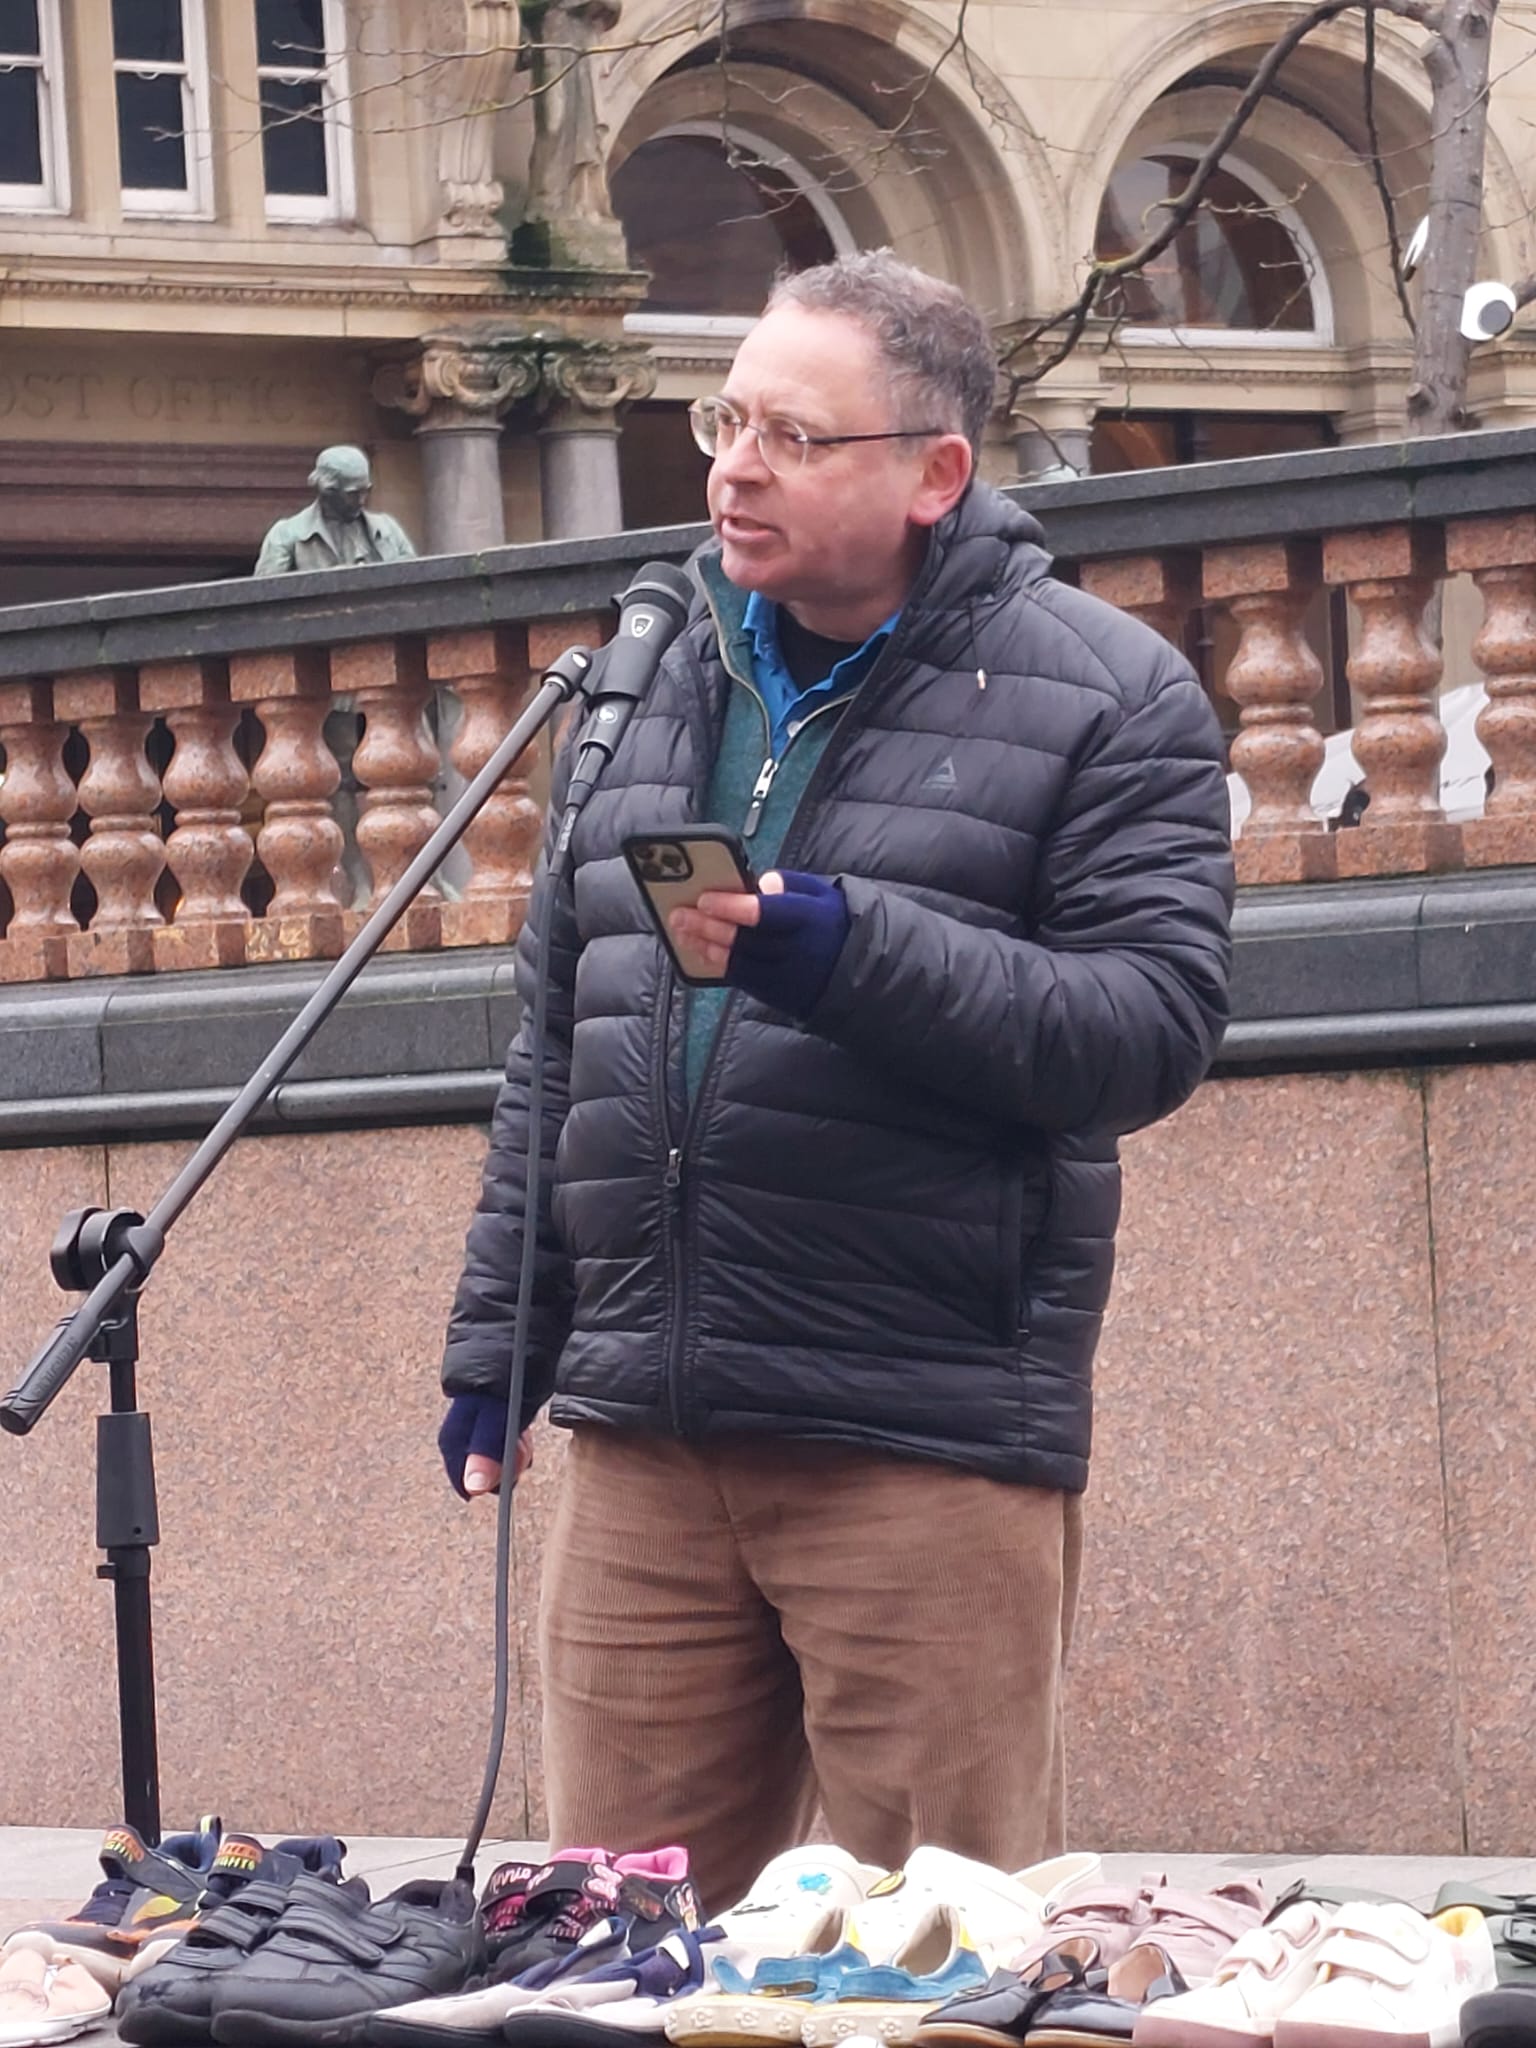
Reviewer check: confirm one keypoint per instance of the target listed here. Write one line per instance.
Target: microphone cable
(652, 611)
(533, 1184)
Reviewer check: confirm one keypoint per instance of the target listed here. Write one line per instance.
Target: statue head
(341, 480)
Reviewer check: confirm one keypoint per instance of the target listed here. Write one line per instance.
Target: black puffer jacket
(893, 1225)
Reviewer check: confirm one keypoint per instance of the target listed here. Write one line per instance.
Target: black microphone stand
(109, 1254)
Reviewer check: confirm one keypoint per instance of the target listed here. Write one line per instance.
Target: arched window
(714, 219)
(1242, 262)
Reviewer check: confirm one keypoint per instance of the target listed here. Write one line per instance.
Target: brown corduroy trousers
(732, 1632)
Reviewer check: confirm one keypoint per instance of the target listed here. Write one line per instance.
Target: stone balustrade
(175, 793)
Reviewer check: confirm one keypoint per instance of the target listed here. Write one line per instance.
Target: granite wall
(1307, 1622)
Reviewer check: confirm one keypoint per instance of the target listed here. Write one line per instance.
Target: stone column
(1052, 434)
(459, 390)
(584, 386)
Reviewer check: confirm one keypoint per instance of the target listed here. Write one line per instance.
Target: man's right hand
(472, 1439)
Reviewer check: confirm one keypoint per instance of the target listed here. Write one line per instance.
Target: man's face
(839, 527)
(342, 494)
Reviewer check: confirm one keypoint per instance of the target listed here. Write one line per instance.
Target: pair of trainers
(150, 1899)
(1355, 1976)
(586, 1928)
(883, 1950)
(305, 1963)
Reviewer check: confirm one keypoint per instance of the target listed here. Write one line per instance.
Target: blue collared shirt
(787, 706)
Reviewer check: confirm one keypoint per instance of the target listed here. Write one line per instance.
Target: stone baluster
(1160, 590)
(1501, 557)
(395, 763)
(296, 776)
(1390, 573)
(487, 670)
(38, 860)
(209, 849)
(120, 793)
(1273, 678)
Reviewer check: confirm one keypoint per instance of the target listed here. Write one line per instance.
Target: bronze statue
(336, 530)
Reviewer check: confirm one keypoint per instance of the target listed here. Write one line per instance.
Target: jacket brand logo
(941, 780)
(641, 624)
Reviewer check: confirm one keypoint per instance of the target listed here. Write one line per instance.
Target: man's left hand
(780, 945)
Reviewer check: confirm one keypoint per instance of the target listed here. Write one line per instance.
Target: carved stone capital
(461, 379)
(596, 377)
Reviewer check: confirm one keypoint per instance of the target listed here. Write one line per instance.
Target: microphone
(651, 615)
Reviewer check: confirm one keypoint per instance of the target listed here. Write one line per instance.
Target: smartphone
(674, 869)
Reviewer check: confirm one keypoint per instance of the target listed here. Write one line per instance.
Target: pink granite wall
(1308, 1622)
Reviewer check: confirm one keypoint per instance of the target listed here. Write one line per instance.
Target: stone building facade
(231, 230)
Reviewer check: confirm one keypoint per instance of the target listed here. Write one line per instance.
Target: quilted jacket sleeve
(481, 1326)
(1109, 1016)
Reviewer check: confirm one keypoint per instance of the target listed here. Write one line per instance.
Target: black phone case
(713, 857)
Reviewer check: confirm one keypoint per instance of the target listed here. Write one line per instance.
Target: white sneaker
(1261, 1976)
(1389, 1978)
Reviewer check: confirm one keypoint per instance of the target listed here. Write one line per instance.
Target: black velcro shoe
(171, 2003)
(320, 1973)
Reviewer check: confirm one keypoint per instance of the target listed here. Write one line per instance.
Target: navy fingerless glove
(786, 959)
(475, 1425)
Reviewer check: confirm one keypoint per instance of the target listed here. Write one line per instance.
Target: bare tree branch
(1075, 317)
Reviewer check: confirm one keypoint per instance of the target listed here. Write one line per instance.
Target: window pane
(1233, 265)
(290, 34)
(21, 146)
(18, 29)
(148, 31)
(712, 231)
(293, 137)
(151, 142)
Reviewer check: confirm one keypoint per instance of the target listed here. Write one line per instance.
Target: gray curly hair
(934, 343)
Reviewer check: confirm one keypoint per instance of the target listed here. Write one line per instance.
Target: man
(336, 530)
(827, 1253)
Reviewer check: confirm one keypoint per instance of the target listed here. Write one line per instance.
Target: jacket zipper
(674, 1209)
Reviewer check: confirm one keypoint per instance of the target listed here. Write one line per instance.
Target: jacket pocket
(1024, 1210)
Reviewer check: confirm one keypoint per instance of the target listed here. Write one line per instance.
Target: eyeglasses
(784, 446)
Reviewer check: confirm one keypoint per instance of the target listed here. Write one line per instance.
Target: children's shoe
(627, 1998)
(171, 2003)
(887, 2001)
(1196, 1929)
(319, 1973)
(46, 1998)
(1259, 1978)
(799, 1907)
(653, 1899)
(1103, 2013)
(145, 1903)
(1389, 1978)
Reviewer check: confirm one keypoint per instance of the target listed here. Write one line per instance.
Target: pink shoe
(47, 1998)
(1196, 1929)
(1101, 1921)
